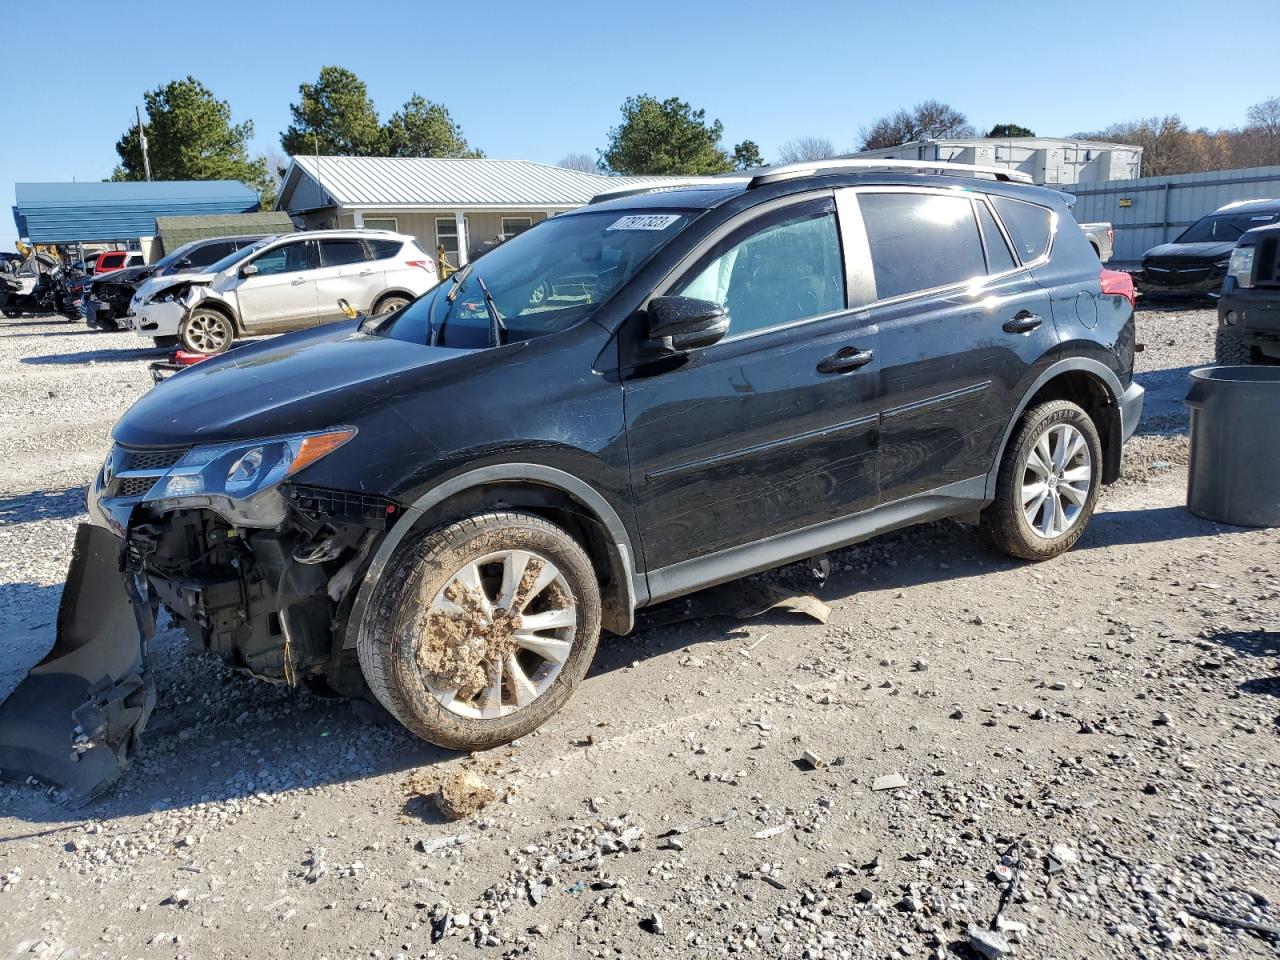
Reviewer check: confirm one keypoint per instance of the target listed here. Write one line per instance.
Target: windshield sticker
(648, 221)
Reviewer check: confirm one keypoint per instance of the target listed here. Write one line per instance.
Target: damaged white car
(282, 283)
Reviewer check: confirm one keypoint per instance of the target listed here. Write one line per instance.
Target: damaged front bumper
(77, 716)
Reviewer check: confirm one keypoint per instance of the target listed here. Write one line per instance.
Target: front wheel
(1048, 483)
(481, 630)
(1230, 351)
(206, 331)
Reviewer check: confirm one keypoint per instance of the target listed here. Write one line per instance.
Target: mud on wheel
(479, 631)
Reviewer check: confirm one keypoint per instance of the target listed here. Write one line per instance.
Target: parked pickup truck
(1100, 237)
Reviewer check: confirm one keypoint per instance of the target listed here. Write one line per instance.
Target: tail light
(1116, 283)
(426, 265)
(1111, 237)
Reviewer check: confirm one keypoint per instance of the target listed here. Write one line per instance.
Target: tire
(1005, 523)
(165, 343)
(12, 314)
(1229, 351)
(206, 331)
(389, 305)
(408, 607)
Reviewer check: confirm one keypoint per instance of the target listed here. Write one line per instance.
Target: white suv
(281, 283)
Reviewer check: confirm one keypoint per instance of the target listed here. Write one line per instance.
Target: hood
(330, 376)
(153, 285)
(1191, 251)
(128, 275)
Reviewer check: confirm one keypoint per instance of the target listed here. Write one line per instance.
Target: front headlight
(1240, 266)
(241, 480)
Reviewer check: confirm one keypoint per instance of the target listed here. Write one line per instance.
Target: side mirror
(248, 270)
(183, 263)
(686, 322)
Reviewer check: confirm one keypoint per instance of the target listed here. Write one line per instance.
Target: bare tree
(578, 161)
(804, 149)
(930, 120)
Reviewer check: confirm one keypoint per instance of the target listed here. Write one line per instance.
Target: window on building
(447, 237)
(382, 223)
(511, 226)
(920, 241)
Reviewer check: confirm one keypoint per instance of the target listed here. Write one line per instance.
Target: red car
(110, 260)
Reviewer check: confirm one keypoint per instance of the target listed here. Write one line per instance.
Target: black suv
(1196, 263)
(1249, 309)
(107, 298)
(652, 394)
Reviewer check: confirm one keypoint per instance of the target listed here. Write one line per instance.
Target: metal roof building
(460, 205)
(119, 212)
(175, 231)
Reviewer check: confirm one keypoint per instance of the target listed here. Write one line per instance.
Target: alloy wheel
(206, 333)
(1056, 481)
(497, 634)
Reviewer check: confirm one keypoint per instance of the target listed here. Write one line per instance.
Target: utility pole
(142, 139)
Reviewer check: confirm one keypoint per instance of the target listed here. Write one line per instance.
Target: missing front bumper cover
(76, 718)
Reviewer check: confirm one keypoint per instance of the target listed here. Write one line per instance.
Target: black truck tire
(1230, 351)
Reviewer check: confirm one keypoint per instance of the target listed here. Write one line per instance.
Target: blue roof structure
(71, 212)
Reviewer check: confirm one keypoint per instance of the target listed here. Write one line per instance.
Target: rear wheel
(1048, 483)
(481, 630)
(389, 305)
(1229, 351)
(206, 331)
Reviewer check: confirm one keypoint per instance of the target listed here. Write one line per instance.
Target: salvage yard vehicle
(1195, 264)
(107, 298)
(282, 283)
(1101, 237)
(442, 507)
(1249, 309)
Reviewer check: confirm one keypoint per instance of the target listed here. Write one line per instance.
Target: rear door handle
(297, 280)
(1023, 322)
(845, 359)
(365, 273)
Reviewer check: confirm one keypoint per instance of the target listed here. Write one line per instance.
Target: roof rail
(791, 171)
(668, 183)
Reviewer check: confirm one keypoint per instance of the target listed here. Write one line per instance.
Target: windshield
(232, 259)
(542, 281)
(1224, 227)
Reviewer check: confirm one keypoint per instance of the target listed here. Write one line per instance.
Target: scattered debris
(770, 832)
(441, 843)
(988, 943)
(813, 760)
(463, 793)
(890, 781)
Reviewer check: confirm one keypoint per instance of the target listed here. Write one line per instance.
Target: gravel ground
(1086, 748)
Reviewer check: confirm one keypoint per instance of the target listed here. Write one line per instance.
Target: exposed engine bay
(260, 574)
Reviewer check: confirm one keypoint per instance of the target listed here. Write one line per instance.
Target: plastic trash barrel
(1234, 475)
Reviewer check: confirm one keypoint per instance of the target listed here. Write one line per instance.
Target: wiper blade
(497, 328)
(457, 279)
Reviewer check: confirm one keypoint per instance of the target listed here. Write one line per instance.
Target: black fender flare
(623, 556)
(1070, 365)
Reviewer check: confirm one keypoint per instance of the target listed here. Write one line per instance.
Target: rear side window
(999, 259)
(384, 249)
(337, 253)
(774, 271)
(920, 241)
(212, 253)
(1029, 224)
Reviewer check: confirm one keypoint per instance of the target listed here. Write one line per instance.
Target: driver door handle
(297, 280)
(1023, 321)
(845, 359)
